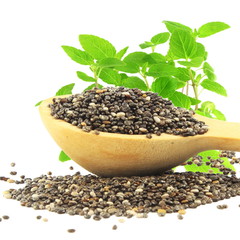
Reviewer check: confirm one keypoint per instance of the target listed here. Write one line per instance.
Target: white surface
(33, 67)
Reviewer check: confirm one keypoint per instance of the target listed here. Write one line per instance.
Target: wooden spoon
(112, 154)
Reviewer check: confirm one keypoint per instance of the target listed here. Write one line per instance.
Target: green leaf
(214, 87)
(97, 47)
(182, 44)
(209, 71)
(161, 70)
(211, 28)
(67, 89)
(157, 57)
(218, 115)
(144, 68)
(195, 62)
(85, 77)
(182, 74)
(63, 157)
(160, 38)
(200, 51)
(171, 26)
(37, 104)
(110, 76)
(110, 62)
(208, 106)
(205, 114)
(180, 100)
(164, 86)
(78, 55)
(121, 53)
(129, 68)
(136, 57)
(134, 82)
(214, 154)
(123, 76)
(194, 101)
(180, 84)
(146, 45)
(93, 86)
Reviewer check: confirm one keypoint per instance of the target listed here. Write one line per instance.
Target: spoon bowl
(112, 154)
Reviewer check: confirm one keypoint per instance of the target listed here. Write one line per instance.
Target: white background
(33, 67)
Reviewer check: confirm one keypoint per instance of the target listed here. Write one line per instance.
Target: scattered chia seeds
(13, 173)
(13, 164)
(38, 217)
(126, 111)
(5, 217)
(71, 230)
(223, 206)
(98, 197)
(114, 227)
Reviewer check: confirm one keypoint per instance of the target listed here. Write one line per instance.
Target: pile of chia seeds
(126, 111)
(97, 197)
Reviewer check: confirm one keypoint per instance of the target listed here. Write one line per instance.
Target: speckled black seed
(97, 198)
(126, 111)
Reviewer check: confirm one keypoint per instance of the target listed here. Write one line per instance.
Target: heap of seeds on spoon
(126, 111)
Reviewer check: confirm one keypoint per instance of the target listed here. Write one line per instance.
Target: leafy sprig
(180, 75)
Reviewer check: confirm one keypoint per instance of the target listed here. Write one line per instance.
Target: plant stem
(96, 78)
(145, 80)
(194, 85)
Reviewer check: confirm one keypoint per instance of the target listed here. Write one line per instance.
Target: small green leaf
(194, 101)
(218, 115)
(171, 26)
(195, 62)
(123, 76)
(93, 86)
(208, 106)
(214, 154)
(146, 45)
(180, 84)
(67, 89)
(63, 157)
(129, 68)
(110, 62)
(161, 70)
(37, 104)
(136, 57)
(182, 74)
(214, 87)
(121, 53)
(110, 76)
(85, 77)
(180, 100)
(183, 44)
(205, 114)
(209, 71)
(160, 38)
(134, 82)
(157, 57)
(164, 86)
(144, 68)
(97, 47)
(211, 28)
(200, 51)
(78, 55)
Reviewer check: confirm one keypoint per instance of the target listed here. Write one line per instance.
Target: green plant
(180, 74)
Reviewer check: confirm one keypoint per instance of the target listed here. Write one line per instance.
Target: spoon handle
(223, 135)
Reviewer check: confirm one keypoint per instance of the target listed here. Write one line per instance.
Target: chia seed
(126, 111)
(96, 197)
